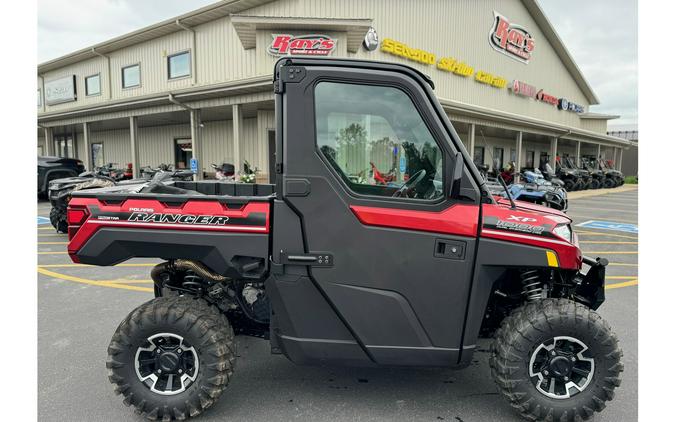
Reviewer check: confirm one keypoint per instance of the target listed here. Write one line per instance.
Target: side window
(376, 140)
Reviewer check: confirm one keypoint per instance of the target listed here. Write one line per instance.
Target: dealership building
(199, 86)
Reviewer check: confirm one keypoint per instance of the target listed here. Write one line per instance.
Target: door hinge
(279, 168)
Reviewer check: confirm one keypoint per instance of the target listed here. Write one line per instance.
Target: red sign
(521, 88)
(511, 39)
(301, 45)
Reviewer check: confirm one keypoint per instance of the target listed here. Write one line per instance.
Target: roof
(554, 39)
(598, 116)
(168, 26)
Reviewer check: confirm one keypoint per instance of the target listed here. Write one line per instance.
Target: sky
(600, 34)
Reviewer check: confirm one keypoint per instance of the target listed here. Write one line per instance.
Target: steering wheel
(410, 184)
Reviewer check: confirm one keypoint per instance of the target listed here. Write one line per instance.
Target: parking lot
(80, 307)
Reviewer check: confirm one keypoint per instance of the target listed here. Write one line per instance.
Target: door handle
(449, 249)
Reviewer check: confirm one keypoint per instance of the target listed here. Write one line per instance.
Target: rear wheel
(556, 360)
(171, 358)
(595, 184)
(58, 220)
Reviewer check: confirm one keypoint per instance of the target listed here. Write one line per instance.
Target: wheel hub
(561, 367)
(166, 364)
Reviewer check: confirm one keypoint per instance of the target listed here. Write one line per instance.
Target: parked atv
(224, 171)
(613, 178)
(335, 272)
(569, 176)
(598, 176)
(549, 175)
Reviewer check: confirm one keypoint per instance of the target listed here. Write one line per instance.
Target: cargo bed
(223, 225)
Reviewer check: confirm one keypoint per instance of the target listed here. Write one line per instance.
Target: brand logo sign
(371, 40)
(301, 45)
(60, 90)
(521, 88)
(567, 105)
(510, 39)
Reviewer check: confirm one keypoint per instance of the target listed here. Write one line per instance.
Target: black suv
(50, 168)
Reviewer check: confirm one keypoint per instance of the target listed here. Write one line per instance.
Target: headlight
(564, 231)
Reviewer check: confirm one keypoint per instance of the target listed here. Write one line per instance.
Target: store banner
(60, 90)
(510, 39)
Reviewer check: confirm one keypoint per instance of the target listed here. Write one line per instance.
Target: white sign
(60, 90)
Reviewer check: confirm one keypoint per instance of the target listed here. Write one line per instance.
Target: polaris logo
(207, 220)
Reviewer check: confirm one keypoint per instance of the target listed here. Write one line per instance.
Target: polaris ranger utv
(336, 268)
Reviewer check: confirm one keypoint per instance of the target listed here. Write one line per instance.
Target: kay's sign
(301, 45)
(510, 39)
(60, 90)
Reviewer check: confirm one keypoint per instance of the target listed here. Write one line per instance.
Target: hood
(523, 206)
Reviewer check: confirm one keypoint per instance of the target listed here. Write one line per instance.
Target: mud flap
(591, 289)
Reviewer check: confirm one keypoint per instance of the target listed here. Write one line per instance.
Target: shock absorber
(532, 286)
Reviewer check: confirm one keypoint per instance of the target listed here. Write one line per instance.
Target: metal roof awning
(246, 27)
(496, 118)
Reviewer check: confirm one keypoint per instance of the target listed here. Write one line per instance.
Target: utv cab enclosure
(337, 267)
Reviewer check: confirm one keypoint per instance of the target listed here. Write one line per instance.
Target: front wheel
(556, 360)
(171, 358)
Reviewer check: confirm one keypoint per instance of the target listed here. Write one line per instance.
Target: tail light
(75, 217)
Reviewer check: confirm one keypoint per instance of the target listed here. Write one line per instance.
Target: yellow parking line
(52, 253)
(601, 242)
(92, 282)
(52, 243)
(582, 232)
(621, 264)
(576, 207)
(620, 277)
(611, 252)
(46, 228)
(624, 284)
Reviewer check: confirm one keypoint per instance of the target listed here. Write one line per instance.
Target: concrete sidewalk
(597, 192)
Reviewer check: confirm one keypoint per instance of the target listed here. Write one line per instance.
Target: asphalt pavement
(79, 307)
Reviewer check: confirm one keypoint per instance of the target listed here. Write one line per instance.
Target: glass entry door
(64, 146)
(183, 150)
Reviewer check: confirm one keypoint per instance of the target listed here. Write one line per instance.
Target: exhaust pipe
(184, 265)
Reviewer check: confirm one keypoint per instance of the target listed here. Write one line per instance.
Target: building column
(133, 137)
(618, 165)
(519, 155)
(554, 153)
(615, 155)
(87, 147)
(49, 141)
(597, 157)
(196, 135)
(237, 129)
(578, 154)
(472, 139)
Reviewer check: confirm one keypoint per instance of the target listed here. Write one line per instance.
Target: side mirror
(457, 172)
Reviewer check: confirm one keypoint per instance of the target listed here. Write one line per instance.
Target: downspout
(173, 100)
(109, 76)
(193, 49)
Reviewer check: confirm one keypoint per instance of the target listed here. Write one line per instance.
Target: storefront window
(183, 153)
(543, 159)
(97, 154)
(498, 159)
(478, 154)
(179, 65)
(529, 159)
(131, 76)
(513, 156)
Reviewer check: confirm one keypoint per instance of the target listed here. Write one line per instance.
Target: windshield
(569, 163)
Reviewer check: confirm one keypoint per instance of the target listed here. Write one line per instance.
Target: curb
(598, 192)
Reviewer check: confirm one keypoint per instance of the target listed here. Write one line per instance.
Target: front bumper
(590, 288)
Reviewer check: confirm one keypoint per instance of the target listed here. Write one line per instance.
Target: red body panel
(460, 220)
(540, 220)
(197, 215)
